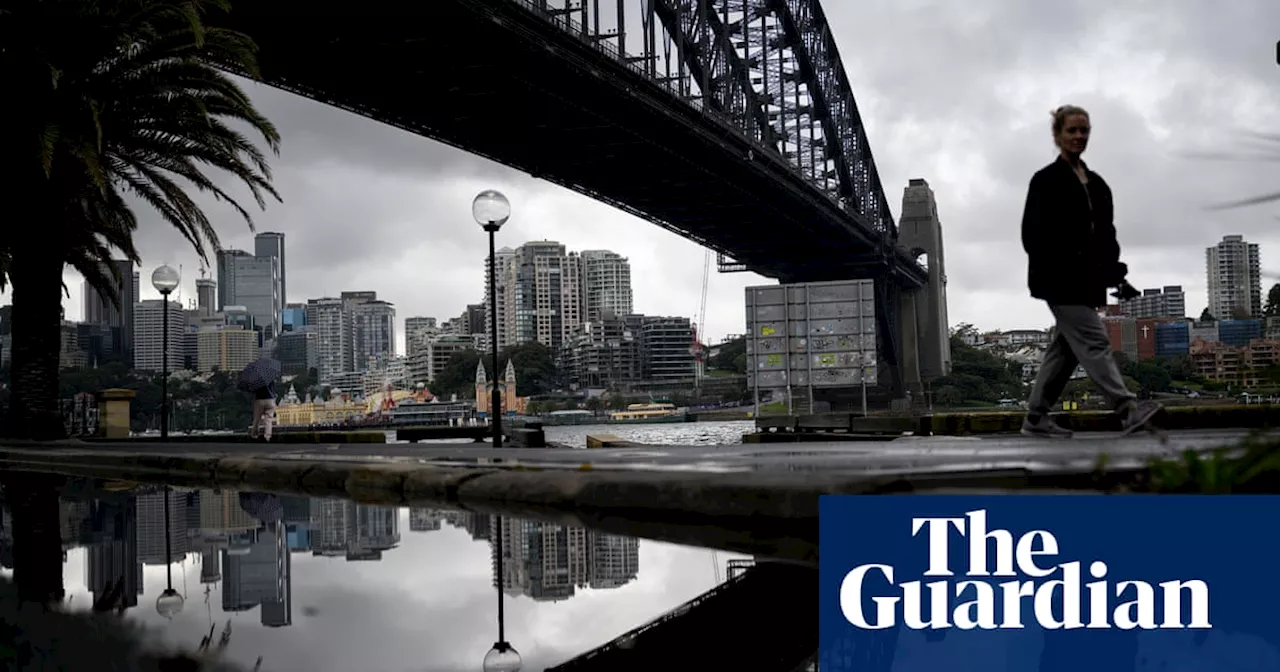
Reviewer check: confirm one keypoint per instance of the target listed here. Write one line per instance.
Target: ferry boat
(431, 413)
(650, 413)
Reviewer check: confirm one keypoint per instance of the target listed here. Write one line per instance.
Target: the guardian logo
(972, 603)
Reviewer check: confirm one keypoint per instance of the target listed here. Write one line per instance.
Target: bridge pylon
(920, 314)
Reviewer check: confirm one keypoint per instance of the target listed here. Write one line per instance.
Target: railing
(79, 414)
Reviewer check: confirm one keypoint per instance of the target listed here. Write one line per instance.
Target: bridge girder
(771, 67)
(726, 93)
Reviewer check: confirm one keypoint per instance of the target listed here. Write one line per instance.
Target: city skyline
(367, 201)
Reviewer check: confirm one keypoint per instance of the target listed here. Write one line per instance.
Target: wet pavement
(911, 454)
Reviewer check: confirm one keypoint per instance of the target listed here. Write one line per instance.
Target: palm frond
(124, 98)
(1266, 149)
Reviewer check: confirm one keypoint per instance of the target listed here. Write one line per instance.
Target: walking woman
(1073, 257)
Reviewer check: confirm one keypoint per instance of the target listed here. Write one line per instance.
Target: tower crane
(700, 327)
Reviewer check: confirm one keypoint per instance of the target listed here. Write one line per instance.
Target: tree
(118, 97)
(458, 376)
(1272, 308)
(977, 375)
(535, 371)
(1206, 316)
(732, 356)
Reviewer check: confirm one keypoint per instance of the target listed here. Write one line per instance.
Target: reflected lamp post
(170, 602)
(502, 657)
(165, 280)
(491, 210)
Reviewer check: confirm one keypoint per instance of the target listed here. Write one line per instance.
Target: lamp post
(165, 280)
(502, 657)
(491, 210)
(170, 602)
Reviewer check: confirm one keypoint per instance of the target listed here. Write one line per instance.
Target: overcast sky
(956, 93)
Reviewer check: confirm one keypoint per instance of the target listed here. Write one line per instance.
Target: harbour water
(672, 434)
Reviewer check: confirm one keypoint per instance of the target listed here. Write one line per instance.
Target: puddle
(324, 584)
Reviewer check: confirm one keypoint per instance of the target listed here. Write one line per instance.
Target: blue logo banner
(1049, 583)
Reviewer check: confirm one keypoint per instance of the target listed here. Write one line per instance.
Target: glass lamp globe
(165, 279)
(169, 604)
(491, 209)
(502, 658)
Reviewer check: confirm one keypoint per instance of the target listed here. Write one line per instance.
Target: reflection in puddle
(290, 582)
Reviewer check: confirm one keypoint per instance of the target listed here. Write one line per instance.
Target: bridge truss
(768, 70)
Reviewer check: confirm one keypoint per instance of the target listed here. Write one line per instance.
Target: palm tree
(108, 99)
(1266, 148)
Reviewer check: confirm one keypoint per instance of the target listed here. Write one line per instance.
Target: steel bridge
(729, 122)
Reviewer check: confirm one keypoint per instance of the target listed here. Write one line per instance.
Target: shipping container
(813, 334)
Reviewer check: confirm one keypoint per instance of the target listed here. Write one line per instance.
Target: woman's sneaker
(1134, 415)
(1044, 426)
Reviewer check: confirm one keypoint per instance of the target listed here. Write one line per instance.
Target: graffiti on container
(835, 343)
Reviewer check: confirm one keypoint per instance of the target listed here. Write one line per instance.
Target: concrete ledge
(303, 436)
(1174, 418)
(835, 425)
(769, 514)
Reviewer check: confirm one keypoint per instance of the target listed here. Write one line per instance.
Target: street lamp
(170, 602)
(165, 280)
(502, 657)
(491, 210)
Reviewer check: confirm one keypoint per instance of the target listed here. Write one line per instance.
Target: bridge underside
(495, 79)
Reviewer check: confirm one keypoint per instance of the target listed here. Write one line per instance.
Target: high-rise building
(506, 323)
(333, 336)
(253, 282)
(1168, 301)
(297, 350)
(206, 296)
(666, 343)
(475, 318)
(271, 244)
(539, 295)
(294, 317)
(373, 329)
(374, 324)
(1233, 271)
(228, 350)
(416, 330)
(148, 331)
(606, 284)
(99, 310)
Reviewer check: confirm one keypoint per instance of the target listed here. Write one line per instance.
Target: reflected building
(614, 560)
(544, 561)
(354, 531)
(259, 574)
(151, 532)
(6, 539)
(112, 554)
(425, 520)
(299, 521)
(210, 566)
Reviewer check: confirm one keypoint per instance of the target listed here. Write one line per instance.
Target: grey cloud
(946, 86)
(957, 93)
